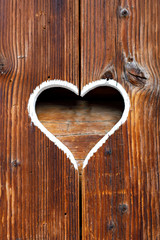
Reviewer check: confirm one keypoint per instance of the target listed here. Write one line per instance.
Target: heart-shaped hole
(79, 125)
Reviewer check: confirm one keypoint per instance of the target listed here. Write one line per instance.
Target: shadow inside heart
(78, 122)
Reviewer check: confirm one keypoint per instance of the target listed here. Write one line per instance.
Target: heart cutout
(80, 123)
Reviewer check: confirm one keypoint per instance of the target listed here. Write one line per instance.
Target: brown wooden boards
(121, 181)
(39, 191)
(39, 194)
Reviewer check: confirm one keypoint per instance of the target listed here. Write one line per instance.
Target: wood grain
(39, 194)
(121, 181)
(78, 122)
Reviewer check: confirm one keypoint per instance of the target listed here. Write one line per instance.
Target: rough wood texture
(78, 122)
(121, 195)
(39, 194)
(39, 191)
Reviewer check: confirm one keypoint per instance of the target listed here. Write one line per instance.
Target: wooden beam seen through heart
(79, 123)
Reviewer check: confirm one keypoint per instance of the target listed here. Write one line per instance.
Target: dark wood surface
(80, 42)
(121, 195)
(39, 191)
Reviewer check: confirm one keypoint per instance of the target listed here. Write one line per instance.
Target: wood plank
(77, 122)
(39, 193)
(120, 183)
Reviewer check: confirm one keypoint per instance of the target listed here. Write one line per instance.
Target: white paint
(32, 112)
(58, 83)
(116, 85)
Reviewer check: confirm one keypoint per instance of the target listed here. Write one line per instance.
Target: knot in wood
(123, 208)
(15, 163)
(124, 12)
(135, 73)
(111, 226)
(109, 73)
(5, 65)
(107, 152)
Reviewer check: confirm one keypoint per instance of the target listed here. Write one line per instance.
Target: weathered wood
(39, 194)
(121, 181)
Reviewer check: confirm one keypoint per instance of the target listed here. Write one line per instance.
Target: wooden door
(79, 42)
(121, 195)
(39, 185)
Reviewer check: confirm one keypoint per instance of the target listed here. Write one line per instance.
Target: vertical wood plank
(121, 39)
(39, 192)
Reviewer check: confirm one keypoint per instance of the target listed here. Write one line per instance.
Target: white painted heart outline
(63, 84)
